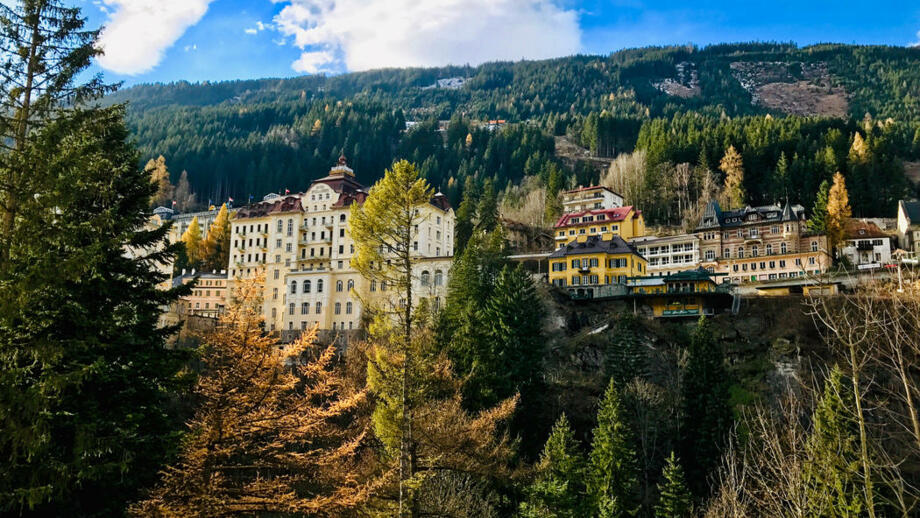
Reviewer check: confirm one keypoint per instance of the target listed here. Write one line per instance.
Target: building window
(373, 285)
(348, 308)
(576, 263)
(782, 248)
(339, 286)
(280, 225)
(275, 294)
(305, 308)
(426, 278)
(293, 286)
(319, 286)
(754, 251)
(439, 277)
(728, 253)
(769, 249)
(710, 255)
(338, 308)
(740, 252)
(291, 308)
(306, 286)
(814, 246)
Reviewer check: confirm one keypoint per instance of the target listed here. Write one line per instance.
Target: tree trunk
(863, 439)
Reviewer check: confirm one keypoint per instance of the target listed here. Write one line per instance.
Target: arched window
(426, 278)
(782, 248)
(383, 285)
(438, 278)
(814, 246)
(319, 308)
(740, 252)
(306, 286)
(338, 286)
(304, 308)
(338, 308)
(769, 249)
(351, 284)
(280, 225)
(348, 307)
(754, 251)
(319, 286)
(293, 286)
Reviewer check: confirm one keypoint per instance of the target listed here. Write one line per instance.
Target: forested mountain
(243, 138)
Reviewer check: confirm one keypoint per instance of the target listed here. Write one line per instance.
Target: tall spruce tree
(558, 489)
(706, 416)
(85, 381)
(612, 474)
(487, 209)
(511, 356)
(674, 499)
(818, 220)
(832, 466)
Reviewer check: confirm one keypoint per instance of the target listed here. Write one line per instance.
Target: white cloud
(138, 32)
(397, 33)
(251, 31)
(916, 43)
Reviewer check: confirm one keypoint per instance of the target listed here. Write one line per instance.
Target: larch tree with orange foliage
(838, 212)
(277, 430)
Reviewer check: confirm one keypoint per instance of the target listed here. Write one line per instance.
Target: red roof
(615, 214)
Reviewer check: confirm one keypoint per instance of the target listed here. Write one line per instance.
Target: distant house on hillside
(909, 225)
(865, 245)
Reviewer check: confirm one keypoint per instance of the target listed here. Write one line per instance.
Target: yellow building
(302, 245)
(589, 262)
(624, 222)
(689, 293)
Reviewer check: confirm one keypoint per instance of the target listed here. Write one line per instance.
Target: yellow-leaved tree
(733, 193)
(217, 244)
(838, 212)
(277, 431)
(194, 246)
(429, 440)
(159, 175)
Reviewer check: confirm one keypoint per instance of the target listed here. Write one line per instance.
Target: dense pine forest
(686, 104)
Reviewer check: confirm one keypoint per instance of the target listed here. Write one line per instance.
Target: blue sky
(196, 40)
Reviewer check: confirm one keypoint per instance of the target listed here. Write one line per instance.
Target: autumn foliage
(277, 428)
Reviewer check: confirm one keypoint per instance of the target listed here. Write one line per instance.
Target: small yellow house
(625, 222)
(589, 262)
(684, 294)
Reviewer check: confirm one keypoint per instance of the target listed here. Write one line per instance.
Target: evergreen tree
(781, 179)
(217, 244)
(706, 417)
(487, 210)
(612, 474)
(838, 212)
(85, 380)
(818, 221)
(194, 246)
(466, 212)
(733, 168)
(510, 357)
(832, 467)
(674, 500)
(558, 489)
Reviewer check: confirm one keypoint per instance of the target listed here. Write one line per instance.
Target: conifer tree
(194, 245)
(85, 380)
(832, 466)
(558, 489)
(466, 212)
(46, 47)
(554, 185)
(217, 244)
(418, 413)
(818, 221)
(513, 352)
(276, 430)
(838, 212)
(733, 168)
(706, 417)
(674, 500)
(612, 478)
(487, 209)
(159, 176)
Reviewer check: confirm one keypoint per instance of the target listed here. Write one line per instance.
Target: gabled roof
(591, 188)
(911, 209)
(595, 245)
(715, 217)
(615, 214)
(863, 230)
